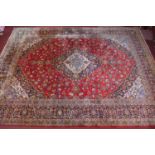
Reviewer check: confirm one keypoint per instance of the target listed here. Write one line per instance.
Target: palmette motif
(77, 76)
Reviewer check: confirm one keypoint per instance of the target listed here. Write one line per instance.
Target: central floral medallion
(76, 63)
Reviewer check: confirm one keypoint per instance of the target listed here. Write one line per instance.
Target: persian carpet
(77, 77)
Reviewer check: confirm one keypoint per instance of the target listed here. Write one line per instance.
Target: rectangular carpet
(77, 77)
